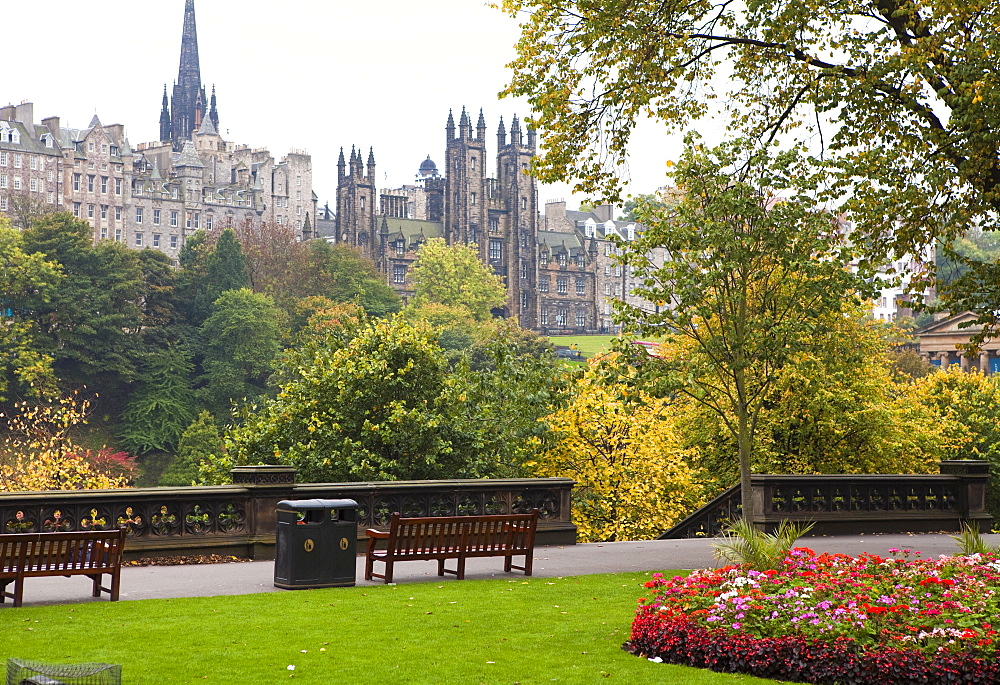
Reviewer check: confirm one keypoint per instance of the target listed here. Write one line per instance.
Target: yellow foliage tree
(38, 452)
(620, 445)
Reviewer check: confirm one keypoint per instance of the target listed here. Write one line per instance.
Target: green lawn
(522, 630)
(589, 345)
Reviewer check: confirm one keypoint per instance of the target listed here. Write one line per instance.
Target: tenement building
(154, 194)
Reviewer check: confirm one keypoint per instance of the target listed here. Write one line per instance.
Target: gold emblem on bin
(344, 544)
(309, 545)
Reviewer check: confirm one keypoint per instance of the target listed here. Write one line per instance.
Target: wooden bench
(439, 538)
(83, 553)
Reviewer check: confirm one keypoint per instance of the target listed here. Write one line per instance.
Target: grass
(589, 345)
(523, 630)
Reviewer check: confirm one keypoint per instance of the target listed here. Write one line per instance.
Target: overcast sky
(307, 74)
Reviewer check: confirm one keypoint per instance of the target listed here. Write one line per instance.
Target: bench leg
(388, 572)
(440, 567)
(369, 564)
(461, 568)
(116, 579)
(18, 591)
(97, 584)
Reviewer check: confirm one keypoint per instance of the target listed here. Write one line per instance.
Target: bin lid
(309, 504)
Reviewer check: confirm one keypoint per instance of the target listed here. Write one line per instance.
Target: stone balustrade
(239, 519)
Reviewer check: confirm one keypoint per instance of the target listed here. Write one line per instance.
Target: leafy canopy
(454, 275)
(902, 97)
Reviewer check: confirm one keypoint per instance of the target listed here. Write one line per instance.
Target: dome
(428, 166)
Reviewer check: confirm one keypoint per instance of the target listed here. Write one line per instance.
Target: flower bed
(831, 619)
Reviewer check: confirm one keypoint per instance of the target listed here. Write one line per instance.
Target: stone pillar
(943, 355)
(984, 361)
(266, 486)
(964, 362)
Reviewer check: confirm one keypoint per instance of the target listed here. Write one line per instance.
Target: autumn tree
(454, 275)
(834, 407)
(39, 452)
(24, 208)
(621, 447)
(901, 97)
(751, 277)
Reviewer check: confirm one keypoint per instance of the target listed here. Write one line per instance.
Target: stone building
(155, 194)
(465, 205)
(939, 344)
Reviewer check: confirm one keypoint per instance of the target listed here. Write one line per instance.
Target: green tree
(343, 274)
(199, 444)
(93, 319)
(903, 98)
(239, 342)
(833, 408)
(207, 270)
(162, 405)
(750, 281)
(26, 284)
(454, 275)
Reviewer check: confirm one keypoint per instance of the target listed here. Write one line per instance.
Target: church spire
(188, 103)
(165, 117)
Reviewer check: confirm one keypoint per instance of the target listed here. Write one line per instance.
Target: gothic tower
(518, 195)
(356, 203)
(189, 104)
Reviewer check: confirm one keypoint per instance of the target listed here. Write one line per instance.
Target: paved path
(163, 582)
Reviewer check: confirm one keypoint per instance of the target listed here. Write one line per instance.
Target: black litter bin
(317, 543)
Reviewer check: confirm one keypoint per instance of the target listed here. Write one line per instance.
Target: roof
(411, 230)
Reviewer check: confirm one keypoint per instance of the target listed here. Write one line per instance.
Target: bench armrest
(381, 535)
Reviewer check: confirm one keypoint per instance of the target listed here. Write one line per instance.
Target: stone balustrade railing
(842, 504)
(239, 519)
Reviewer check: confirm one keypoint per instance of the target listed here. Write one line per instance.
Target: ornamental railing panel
(240, 518)
(848, 504)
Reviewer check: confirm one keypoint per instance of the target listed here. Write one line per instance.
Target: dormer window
(400, 246)
(562, 259)
(631, 232)
(114, 150)
(15, 137)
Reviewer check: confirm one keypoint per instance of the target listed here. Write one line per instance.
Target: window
(90, 146)
(118, 213)
(33, 185)
(118, 186)
(51, 177)
(472, 164)
(197, 220)
(562, 284)
(138, 215)
(208, 222)
(17, 183)
(76, 181)
(173, 242)
(400, 246)
(3, 159)
(118, 235)
(138, 239)
(104, 148)
(90, 211)
(544, 257)
(33, 162)
(362, 204)
(607, 269)
(76, 209)
(524, 269)
(298, 180)
(607, 288)
(473, 234)
(560, 317)
(104, 211)
(104, 184)
(3, 180)
(90, 183)
(561, 259)
(524, 300)
(472, 198)
(543, 285)
(156, 217)
(41, 164)
(298, 194)
(524, 203)
(49, 197)
(496, 249)
(494, 224)
(398, 273)
(17, 160)
(544, 317)
(581, 318)
(3, 203)
(104, 232)
(581, 286)
(173, 218)
(156, 240)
